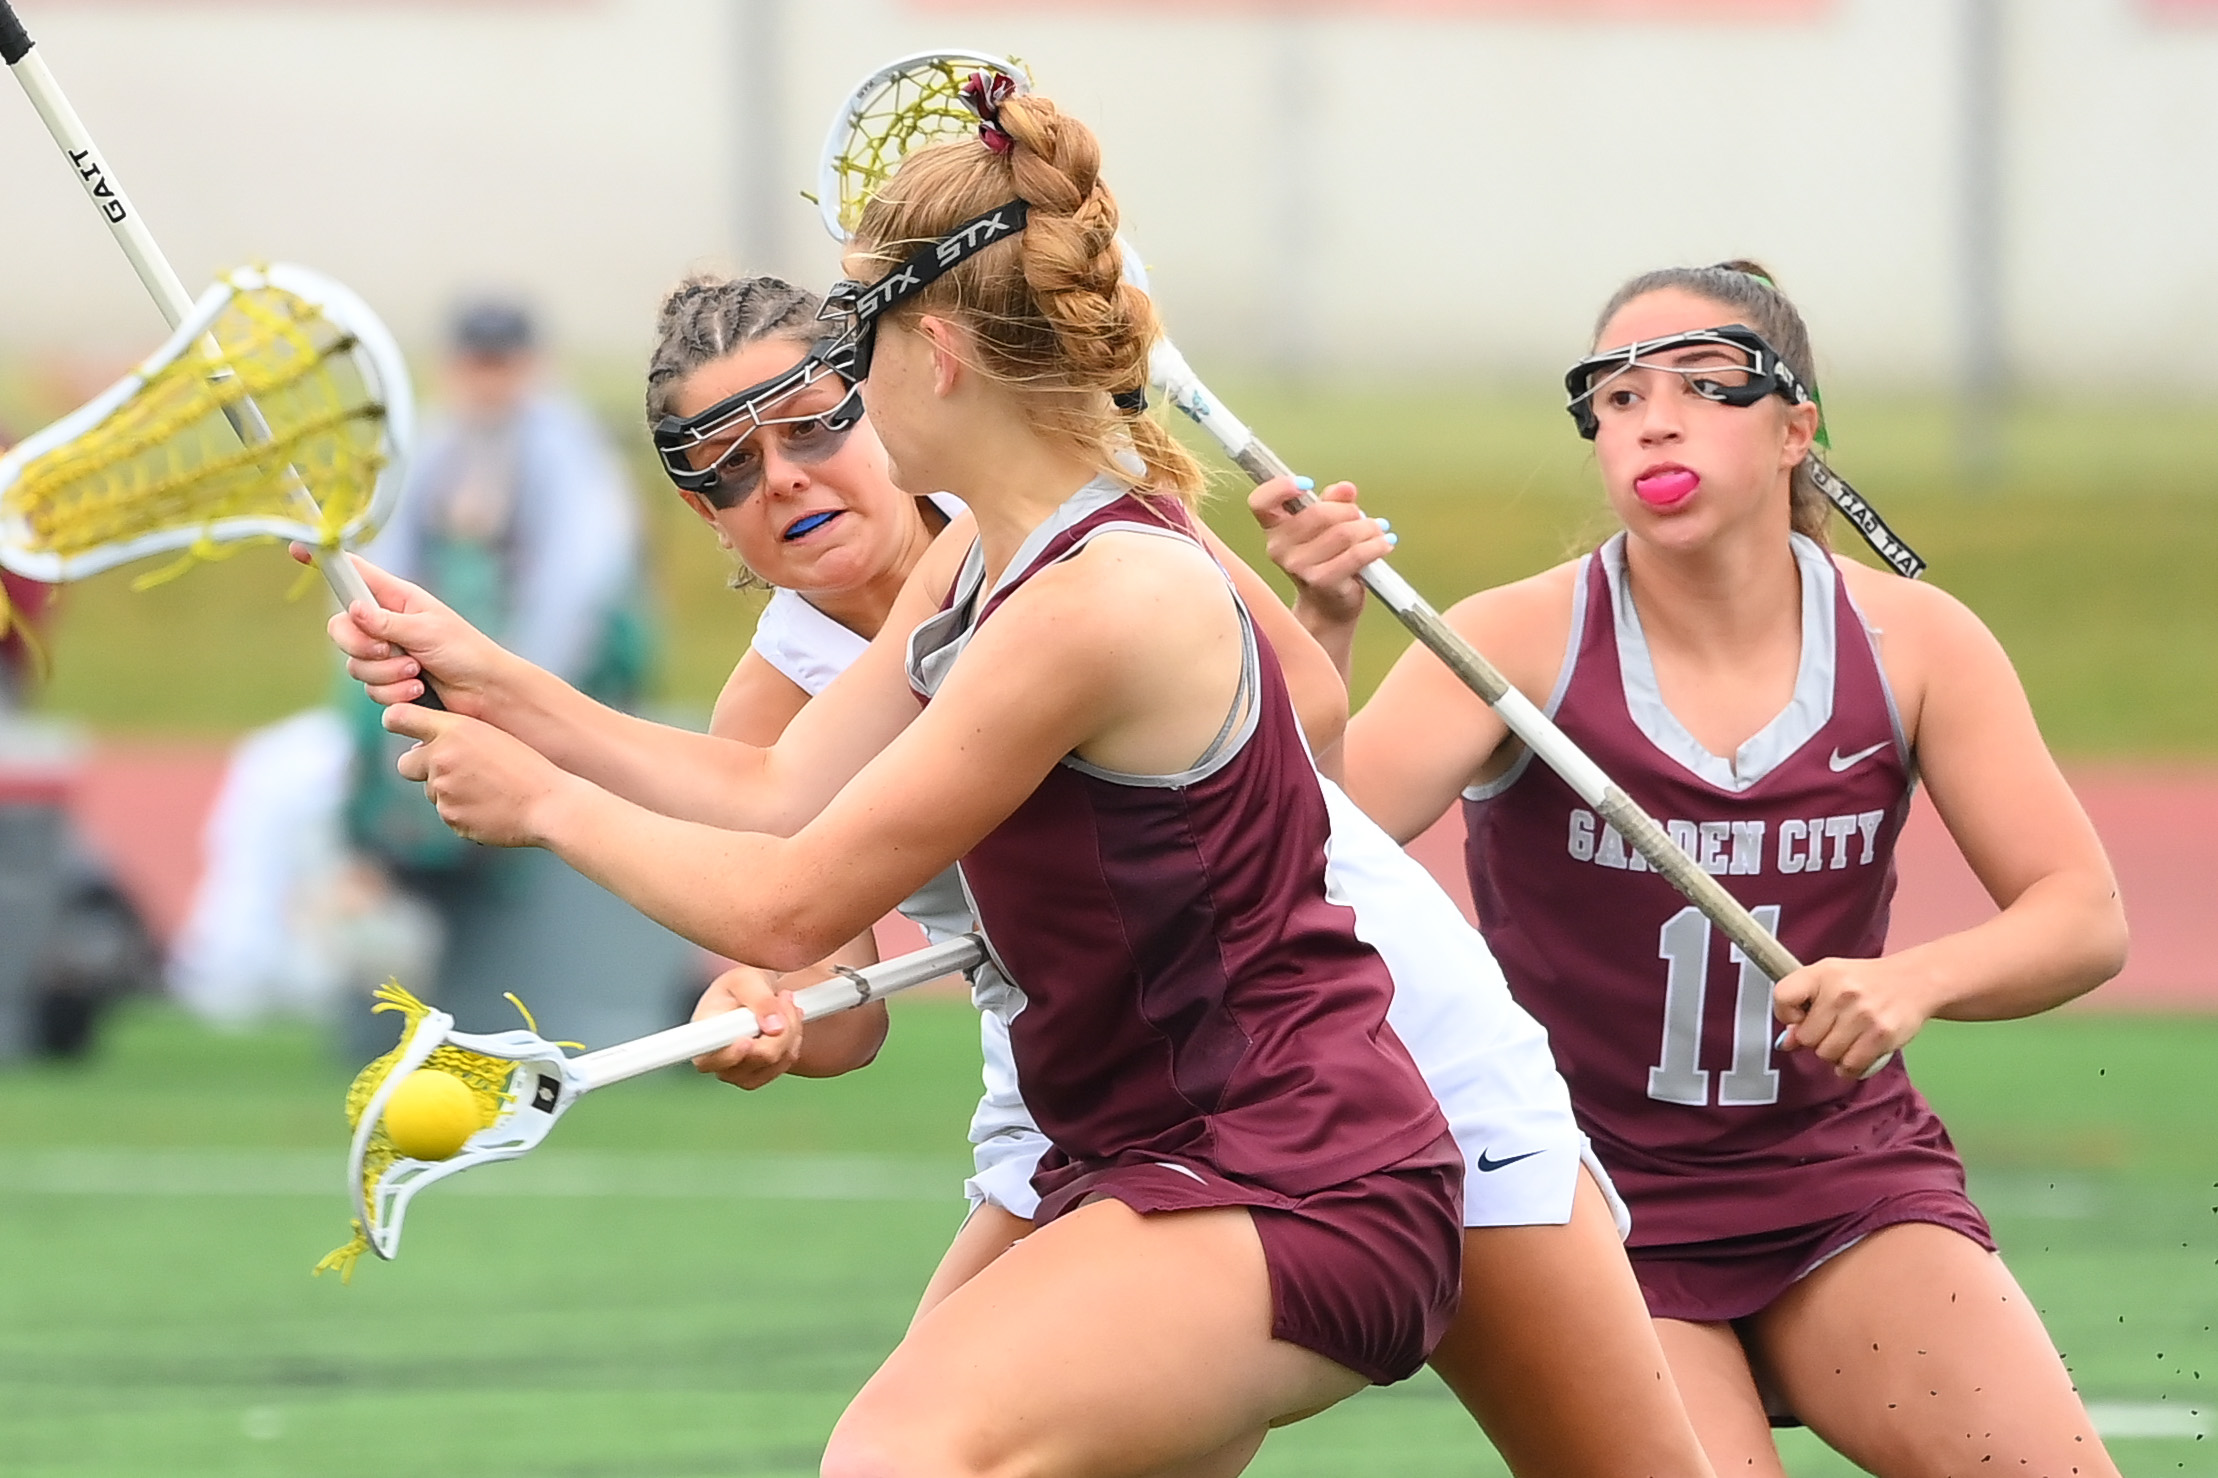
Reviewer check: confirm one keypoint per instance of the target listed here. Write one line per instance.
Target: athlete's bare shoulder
(1921, 630)
(1139, 581)
(1523, 627)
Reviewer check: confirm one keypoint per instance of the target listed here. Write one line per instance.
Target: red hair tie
(985, 92)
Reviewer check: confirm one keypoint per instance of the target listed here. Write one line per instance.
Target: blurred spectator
(517, 513)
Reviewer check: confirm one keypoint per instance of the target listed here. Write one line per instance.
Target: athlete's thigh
(1711, 1367)
(986, 1233)
(1915, 1352)
(1103, 1343)
(1553, 1352)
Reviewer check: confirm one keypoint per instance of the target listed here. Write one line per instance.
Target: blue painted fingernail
(1306, 484)
(1393, 541)
(1780, 1045)
(1386, 525)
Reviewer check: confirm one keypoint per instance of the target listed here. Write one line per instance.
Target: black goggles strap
(1857, 509)
(862, 305)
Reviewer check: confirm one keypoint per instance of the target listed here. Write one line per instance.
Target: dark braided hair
(1750, 296)
(707, 317)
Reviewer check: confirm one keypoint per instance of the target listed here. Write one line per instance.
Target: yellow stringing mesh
(485, 1076)
(167, 458)
(922, 105)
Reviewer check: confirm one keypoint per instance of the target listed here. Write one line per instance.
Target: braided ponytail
(1054, 315)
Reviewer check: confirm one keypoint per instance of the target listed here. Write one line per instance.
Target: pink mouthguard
(1664, 488)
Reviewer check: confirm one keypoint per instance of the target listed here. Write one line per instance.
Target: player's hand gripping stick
(105, 192)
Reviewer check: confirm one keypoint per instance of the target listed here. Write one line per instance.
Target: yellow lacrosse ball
(430, 1115)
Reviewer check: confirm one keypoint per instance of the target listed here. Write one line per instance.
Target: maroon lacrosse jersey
(1662, 1029)
(1190, 994)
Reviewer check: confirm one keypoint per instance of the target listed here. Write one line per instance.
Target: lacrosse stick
(311, 506)
(523, 1083)
(916, 101)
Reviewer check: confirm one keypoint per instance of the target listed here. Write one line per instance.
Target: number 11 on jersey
(1678, 1076)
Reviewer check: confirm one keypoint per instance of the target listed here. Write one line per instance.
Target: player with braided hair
(1801, 1229)
(1242, 1228)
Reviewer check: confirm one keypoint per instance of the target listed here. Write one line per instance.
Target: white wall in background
(1469, 189)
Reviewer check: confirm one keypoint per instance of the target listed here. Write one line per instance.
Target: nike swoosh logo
(1486, 1166)
(1840, 762)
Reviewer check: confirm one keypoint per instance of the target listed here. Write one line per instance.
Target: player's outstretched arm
(772, 788)
(1127, 654)
(412, 636)
(2061, 930)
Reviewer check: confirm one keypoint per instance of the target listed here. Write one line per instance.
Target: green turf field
(2088, 551)
(689, 1280)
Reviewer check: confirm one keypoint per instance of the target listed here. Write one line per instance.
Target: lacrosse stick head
(520, 1081)
(160, 460)
(910, 102)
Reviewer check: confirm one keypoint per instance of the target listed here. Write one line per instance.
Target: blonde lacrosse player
(1250, 1206)
(820, 523)
(1800, 1224)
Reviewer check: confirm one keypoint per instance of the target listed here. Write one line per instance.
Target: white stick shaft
(102, 190)
(841, 993)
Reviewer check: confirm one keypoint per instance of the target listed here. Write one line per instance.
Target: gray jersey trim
(940, 638)
(1492, 788)
(1806, 712)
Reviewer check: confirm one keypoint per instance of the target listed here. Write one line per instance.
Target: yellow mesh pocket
(168, 461)
(922, 104)
(486, 1077)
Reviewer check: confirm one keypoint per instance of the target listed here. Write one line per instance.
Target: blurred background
(1380, 230)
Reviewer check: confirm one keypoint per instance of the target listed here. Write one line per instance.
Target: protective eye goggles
(739, 416)
(1751, 370)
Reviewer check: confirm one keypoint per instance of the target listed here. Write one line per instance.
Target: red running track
(142, 807)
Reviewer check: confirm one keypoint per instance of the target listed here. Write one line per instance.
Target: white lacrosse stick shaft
(1184, 389)
(161, 280)
(843, 992)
